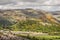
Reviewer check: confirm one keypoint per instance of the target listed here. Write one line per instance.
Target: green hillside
(29, 20)
(35, 26)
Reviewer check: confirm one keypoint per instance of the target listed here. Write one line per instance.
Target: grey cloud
(3, 2)
(31, 0)
(12, 3)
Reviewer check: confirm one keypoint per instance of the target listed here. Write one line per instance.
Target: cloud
(36, 4)
(3, 2)
(52, 2)
(41, 2)
(30, 0)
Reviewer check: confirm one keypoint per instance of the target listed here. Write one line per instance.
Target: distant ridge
(15, 15)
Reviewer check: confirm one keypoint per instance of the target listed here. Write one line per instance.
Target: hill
(9, 18)
(16, 15)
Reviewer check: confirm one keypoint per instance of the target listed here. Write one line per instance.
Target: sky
(48, 5)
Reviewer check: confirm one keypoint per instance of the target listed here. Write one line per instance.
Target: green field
(41, 37)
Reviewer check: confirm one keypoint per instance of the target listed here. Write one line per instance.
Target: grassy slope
(31, 25)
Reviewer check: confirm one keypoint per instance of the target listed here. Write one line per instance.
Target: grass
(40, 37)
(48, 37)
(34, 26)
